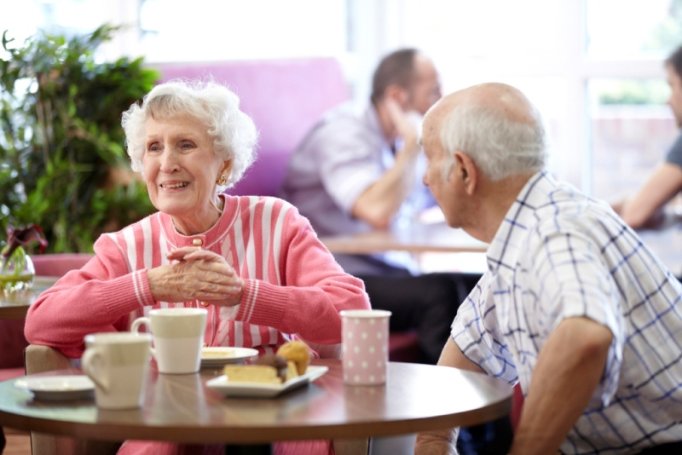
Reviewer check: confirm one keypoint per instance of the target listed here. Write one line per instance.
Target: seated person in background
(253, 262)
(644, 208)
(573, 306)
(358, 171)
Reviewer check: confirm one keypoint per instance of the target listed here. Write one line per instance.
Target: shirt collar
(509, 240)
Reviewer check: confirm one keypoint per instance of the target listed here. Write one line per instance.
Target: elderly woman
(253, 262)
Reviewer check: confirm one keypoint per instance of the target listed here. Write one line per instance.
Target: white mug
(117, 362)
(178, 335)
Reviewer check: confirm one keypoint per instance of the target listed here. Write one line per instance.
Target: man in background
(573, 307)
(644, 207)
(358, 171)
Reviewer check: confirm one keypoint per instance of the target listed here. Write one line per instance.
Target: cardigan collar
(204, 239)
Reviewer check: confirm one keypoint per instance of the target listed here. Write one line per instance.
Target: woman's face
(180, 169)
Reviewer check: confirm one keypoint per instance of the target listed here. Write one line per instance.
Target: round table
(182, 408)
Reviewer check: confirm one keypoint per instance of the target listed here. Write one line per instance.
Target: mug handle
(137, 323)
(92, 361)
(135, 327)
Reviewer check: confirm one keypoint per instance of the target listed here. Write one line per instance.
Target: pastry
(292, 371)
(298, 352)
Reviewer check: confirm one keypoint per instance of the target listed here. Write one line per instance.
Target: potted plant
(62, 146)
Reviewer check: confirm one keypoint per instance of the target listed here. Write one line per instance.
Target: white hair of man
(499, 145)
(234, 133)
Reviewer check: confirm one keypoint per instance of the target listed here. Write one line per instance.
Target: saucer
(58, 388)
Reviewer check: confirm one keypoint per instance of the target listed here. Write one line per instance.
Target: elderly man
(573, 306)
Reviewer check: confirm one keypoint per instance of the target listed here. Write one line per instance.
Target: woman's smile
(175, 185)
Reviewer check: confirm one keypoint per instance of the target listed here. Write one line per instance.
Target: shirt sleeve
(572, 281)
(674, 155)
(348, 160)
(475, 331)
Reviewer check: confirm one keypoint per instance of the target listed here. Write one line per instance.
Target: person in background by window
(644, 208)
(573, 307)
(358, 171)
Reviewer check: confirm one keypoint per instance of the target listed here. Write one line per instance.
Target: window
(631, 126)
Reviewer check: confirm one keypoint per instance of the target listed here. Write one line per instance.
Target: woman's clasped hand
(196, 274)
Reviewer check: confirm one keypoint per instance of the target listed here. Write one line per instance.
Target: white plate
(217, 356)
(58, 388)
(252, 389)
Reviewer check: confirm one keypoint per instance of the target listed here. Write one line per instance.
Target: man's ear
(466, 171)
(398, 94)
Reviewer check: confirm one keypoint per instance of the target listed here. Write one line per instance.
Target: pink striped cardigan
(293, 285)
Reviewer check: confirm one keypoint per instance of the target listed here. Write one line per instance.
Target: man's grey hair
(500, 147)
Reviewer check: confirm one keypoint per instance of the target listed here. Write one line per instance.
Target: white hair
(234, 133)
(499, 146)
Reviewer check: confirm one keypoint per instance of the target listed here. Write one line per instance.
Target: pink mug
(364, 346)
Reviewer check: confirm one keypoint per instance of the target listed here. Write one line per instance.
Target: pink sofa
(284, 98)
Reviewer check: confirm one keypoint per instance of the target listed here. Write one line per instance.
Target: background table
(435, 246)
(181, 408)
(418, 238)
(15, 305)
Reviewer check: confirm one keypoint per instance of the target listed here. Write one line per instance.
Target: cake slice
(269, 368)
(263, 374)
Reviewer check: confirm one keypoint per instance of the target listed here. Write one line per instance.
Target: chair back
(58, 264)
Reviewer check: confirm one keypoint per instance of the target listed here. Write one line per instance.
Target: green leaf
(60, 114)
